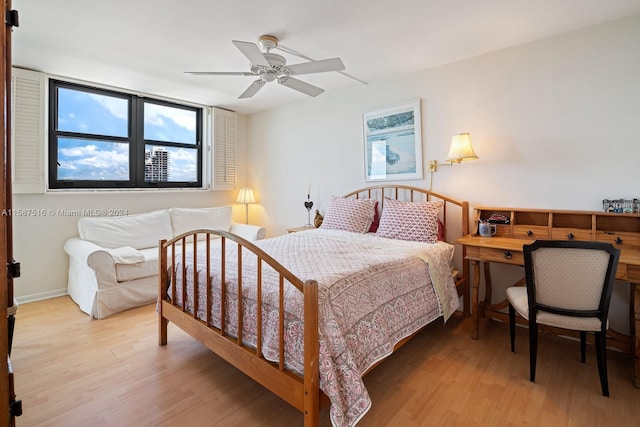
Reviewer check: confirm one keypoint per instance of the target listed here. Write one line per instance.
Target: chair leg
(512, 327)
(583, 346)
(533, 349)
(601, 356)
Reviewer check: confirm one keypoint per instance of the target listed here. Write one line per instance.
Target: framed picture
(393, 142)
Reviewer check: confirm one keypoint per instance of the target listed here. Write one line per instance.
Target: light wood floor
(73, 371)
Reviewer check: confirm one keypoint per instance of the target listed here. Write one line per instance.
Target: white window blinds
(27, 131)
(224, 149)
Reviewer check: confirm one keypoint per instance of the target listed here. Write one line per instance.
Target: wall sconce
(246, 196)
(460, 150)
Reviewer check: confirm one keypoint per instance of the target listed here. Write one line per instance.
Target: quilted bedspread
(372, 293)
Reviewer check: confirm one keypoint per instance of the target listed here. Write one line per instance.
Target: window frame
(135, 139)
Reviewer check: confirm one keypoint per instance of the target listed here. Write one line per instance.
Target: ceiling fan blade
(333, 64)
(300, 86)
(252, 89)
(219, 73)
(252, 52)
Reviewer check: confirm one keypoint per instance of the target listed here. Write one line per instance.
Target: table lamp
(246, 196)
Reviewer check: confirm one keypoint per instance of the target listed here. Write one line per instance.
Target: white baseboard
(41, 296)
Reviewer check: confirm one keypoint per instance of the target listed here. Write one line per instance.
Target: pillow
(354, 215)
(186, 219)
(417, 221)
(376, 219)
(138, 231)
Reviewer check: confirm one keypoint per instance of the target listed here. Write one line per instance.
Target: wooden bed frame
(302, 392)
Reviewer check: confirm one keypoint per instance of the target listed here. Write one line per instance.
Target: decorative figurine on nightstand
(308, 204)
(317, 221)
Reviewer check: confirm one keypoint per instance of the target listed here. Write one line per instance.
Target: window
(105, 139)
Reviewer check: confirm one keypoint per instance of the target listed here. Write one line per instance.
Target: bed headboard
(454, 215)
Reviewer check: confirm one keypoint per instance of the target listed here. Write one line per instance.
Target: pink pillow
(353, 215)
(417, 221)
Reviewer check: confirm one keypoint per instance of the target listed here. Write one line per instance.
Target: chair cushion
(517, 296)
(147, 268)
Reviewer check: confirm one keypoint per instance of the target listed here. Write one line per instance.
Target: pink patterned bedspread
(372, 293)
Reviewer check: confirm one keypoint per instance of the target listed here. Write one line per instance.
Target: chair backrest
(573, 278)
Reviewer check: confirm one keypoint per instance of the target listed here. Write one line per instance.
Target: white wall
(556, 124)
(39, 240)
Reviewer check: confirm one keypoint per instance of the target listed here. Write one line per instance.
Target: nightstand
(303, 228)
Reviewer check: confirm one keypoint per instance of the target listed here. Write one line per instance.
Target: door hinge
(11, 18)
(13, 269)
(15, 408)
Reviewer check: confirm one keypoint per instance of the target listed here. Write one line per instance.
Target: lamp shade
(461, 149)
(246, 196)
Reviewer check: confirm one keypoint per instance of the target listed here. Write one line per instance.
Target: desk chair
(568, 285)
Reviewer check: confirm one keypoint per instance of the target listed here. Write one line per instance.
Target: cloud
(183, 154)
(92, 162)
(156, 114)
(118, 107)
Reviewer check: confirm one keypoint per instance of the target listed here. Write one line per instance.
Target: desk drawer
(621, 272)
(566, 233)
(501, 255)
(633, 273)
(619, 240)
(530, 232)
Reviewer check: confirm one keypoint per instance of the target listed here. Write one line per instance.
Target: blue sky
(106, 115)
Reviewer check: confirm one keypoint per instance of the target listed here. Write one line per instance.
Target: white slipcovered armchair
(113, 263)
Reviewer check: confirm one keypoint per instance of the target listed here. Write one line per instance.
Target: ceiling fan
(268, 66)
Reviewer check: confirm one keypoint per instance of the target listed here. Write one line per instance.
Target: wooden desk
(527, 225)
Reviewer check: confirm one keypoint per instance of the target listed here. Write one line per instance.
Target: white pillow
(187, 219)
(138, 231)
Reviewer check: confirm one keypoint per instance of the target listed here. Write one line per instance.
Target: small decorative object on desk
(498, 219)
(621, 205)
(317, 220)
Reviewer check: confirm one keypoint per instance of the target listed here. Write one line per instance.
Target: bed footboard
(302, 392)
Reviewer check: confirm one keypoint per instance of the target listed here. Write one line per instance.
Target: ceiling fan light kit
(268, 66)
(268, 42)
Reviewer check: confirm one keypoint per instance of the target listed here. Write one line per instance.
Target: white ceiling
(145, 45)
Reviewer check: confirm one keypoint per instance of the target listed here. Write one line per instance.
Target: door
(7, 270)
